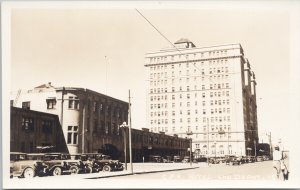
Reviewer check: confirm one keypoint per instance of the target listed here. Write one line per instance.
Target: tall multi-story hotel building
(207, 94)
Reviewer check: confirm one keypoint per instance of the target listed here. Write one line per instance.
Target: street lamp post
(125, 143)
(189, 133)
(215, 143)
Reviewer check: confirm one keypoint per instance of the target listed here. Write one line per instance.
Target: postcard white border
(293, 7)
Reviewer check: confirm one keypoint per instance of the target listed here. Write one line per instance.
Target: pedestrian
(277, 157)
(285, 165)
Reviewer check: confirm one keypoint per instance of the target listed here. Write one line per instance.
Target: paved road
(250, 171)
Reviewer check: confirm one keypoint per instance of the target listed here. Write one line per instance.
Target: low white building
(89, 119)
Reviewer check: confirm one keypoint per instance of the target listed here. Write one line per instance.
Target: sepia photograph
(150, 94)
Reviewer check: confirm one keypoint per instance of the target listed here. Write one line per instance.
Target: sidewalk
(141, 168)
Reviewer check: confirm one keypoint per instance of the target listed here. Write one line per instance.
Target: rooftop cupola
(184, 43)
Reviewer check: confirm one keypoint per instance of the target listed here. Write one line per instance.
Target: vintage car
(155, 158)
(106, 164)
(96, 162)
(59, 163)
(21, 166)
(85, 162)
(186, 159)
(177, 159)
(259, 159)
(214, 160)
(232, 160)
(166, 159)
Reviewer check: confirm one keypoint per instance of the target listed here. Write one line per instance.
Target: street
(176, 174)
(251, 171)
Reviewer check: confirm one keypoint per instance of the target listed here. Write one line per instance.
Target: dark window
(69, 138)
(51, 103)
(72, 134)
(26, 105)
(47, 127)
(73, 102)
(27, 124)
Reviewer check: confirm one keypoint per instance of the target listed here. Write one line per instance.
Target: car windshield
(16, 157)
(65, 157)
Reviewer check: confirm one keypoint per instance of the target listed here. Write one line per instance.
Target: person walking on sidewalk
(277, 156)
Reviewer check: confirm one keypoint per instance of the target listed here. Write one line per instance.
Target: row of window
(28, 125)
(188, 96)
(73, 103)
(195, 79)
(212, 111)
(187, 88)
(198, 55)
(218, 70)
(213, 119)
(212, 102)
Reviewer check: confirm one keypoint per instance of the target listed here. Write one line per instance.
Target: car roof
(17, 153)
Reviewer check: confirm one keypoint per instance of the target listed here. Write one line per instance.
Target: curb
(146, 172)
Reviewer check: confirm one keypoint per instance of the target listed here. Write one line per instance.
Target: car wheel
(56, 171)
(28, 173)
(74, 170)
(106, 168)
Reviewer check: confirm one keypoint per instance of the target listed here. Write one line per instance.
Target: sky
(79, 47)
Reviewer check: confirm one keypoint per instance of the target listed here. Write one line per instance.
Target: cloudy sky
(78, 46)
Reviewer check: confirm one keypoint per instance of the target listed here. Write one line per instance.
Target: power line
(158, 30)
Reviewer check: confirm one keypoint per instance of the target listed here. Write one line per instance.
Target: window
(72, 135)
(27, 124)
(95, 106)
(47, 127)
(26, 105)
(73, 102)
(51, 103)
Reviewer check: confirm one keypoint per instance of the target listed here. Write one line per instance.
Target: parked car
(177, 159)
(59, 163)
(166, 159)
(266, 157)
(40, 157)
(186, 159)
(20, 166)
(85, 162)
(259, 159)
(202, 159)
(232, 160)
(106, 164)
(96, 162)
(155, 158)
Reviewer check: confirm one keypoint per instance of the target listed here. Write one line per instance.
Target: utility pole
(62, 107)
(130, 146)
(83, 125)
